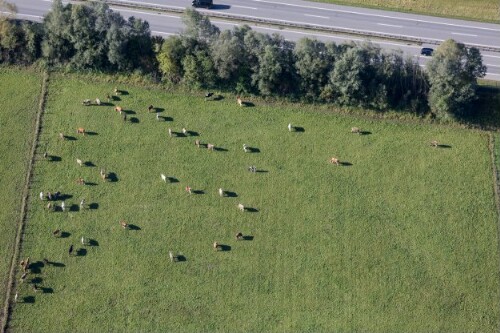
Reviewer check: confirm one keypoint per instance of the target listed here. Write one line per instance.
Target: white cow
(163, 177)
(221, 192)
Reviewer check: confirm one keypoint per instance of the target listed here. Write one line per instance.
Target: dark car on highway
(426, 51)
(203, 3)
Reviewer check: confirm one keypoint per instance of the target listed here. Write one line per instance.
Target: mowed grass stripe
(17, 120)
(404, 239)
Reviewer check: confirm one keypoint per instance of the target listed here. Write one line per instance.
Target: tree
(198, 27)
(170, 59)
(313, 63)
(56, 45)
(453, 72)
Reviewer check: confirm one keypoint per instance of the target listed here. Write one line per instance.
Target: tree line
(242, 60)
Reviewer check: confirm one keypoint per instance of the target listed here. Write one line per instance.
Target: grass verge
(402, 237)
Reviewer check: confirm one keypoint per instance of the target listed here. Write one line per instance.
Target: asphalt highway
(419, 26)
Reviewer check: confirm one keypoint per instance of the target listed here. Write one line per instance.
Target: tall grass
(482, 10)
(18, 109)
(404, 239)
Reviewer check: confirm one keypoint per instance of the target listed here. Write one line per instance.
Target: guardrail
(283, 23)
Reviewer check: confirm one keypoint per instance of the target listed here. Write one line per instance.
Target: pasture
(18, 109)
(480, 10)
(401, 237)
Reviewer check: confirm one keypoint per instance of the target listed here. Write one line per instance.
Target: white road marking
(490, 65)
(146, 3)
(462, 34)
(244, 7)
(17, 14)
(377, 15)
(163, 33)
(390, 25)
(491, 56)
(145, 13)
(323, 17)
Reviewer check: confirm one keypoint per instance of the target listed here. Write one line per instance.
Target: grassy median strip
(479, 10)
(19, 97)
(401, 236)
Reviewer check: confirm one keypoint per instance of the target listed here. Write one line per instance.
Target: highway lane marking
(490, 65)
(145, 3)
(318, 16)
(145, 13)
(378, 15)
(244, 7)
(390, 25)
(491, 56)
(462, 34)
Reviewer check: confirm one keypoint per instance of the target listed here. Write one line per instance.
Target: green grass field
(482, 10)
(18, 109)
(404, 239)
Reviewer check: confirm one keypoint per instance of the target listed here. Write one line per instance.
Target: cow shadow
(253, 150)
(112, 177)
(47, 290)
(54, 158)
(230, 194)
(106, 104)
(218, 98)
(198, 192)
(134, 120)
(36, 280)
(89, 164)
(57, 264)
(299, 129)
(261, 171)
(179, 134)
(94, 205)
(91, 184)
(74, 208)
(193, 133)
(444, 146)
(173, 180)
(220, 149)
(365, 133)
(248, 104)
(36, 267)
(168, 118)
(123, 92)
(115, 98)
(345, 163)
(224, 247)
(29, 299)
(91, 133)
(69, 138)
(180, 258)
(134, 227)
(64, 197)
(251, 210)
(65, 234)
(159, 110)
(93, 242)
(81, 252)
(127, 112)
(248, 238)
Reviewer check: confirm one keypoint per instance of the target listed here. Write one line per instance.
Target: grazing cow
(124, 117)
(252, 168)
(16, 297)
(158, 116)
(241, 207)
(356, 130)
(103, 174)
(97, 101)
(23, 277)
(46, 261)
(56, 195)
(239, 236)
(49, 206)
(116, 91)
(108, 97)
(49, 196)
(184, 131)
(70, 251)
(217, 246)
(36, 288)
(83, 241)
(163, 177)
(27, 263)
(171, 255)
(41, 195)
(80, 163)
(56, 233)
(210, 146)
(82, 204)
(170, 132)
(63, 206)
(208, 95)
(45, 155)
(434, 144)
(238, 99)
(151, 108)
(124, 224)
(118, 109)
(245, 148)
(290, 127)
(221, 192)
(80, 130)
(335, 161)
(86, 102)
(189, 190)
(80, 181)
(61, 136)
(197, 143)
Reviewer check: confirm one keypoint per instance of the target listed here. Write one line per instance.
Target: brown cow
(197, 143)
(124, 224)
(335, 161)
(356, 130)
(239, 236)
(434, 144)
(238, 99)
(80, 181)
(210, 146)
(216, 246)
(118, 109)
(80, 130)
(151, 108)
